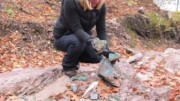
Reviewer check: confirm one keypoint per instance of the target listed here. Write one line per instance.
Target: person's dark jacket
(75, 20)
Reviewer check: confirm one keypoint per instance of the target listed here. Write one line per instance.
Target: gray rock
(57, 87)
(163, 92)
(105, 71)
(114, 97)
(144, 77)
(74, 87)
(136, 98)
(27, 81)
(124, 69)
(65, 100)
(94, 96)
(172, 58)
(131, 51)
(137, 57)
(80, 77)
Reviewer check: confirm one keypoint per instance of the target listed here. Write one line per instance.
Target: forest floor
(26, 30)
(26, 38)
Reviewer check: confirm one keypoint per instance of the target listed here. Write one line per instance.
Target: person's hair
(86, 4)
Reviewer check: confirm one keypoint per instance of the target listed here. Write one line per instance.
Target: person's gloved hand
(106, 52)
(112, 56)
(97, 44)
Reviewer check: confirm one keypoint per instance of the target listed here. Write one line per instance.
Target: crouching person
(72, 32)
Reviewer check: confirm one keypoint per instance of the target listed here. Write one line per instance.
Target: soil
(26, 38)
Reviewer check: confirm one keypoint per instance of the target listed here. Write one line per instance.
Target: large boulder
(152, 26)
(27, 81)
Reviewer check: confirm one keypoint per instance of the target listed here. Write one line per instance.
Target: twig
(31, 39)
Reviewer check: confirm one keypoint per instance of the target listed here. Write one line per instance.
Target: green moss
(159, 21)
(155, 24)
(169, 29)
(131, 2)
(9, 11)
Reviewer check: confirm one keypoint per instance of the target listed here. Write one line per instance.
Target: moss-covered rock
(141, 25)
(152, 26)
(161, 23)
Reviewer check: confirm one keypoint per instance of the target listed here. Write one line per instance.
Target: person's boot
(70, 73)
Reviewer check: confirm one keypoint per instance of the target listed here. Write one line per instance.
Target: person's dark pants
(77, 51)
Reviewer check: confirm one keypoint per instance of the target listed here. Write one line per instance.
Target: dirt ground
(26, 38)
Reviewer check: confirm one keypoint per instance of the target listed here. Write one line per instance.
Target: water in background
(168, 5)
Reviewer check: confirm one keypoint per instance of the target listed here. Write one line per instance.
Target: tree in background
(177, 5)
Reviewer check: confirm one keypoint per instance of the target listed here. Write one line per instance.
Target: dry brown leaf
(105, 90)
(72, 96)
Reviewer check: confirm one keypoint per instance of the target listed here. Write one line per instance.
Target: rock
(136, 98)
(64, 100)
(74, 87)
(113, 57)
(113, 21)
(82, 88)
(91, 67)
(124, 69)
(85, 99)
(149, 25)
(80, 77)
(141, 10)
(14, 98)
(157, 60)
(57, 87)
(144, 77)
(94, 96)
(114, 97)
(169, 51)
(106, 72)
(98, 44)
(162, 91)
(135, 58)
(172, 58)
(141, 24)
(123, 96)
(93, 74)
(131, 51)
(27, 81)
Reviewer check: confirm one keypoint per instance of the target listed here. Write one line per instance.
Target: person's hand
(106, 52)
